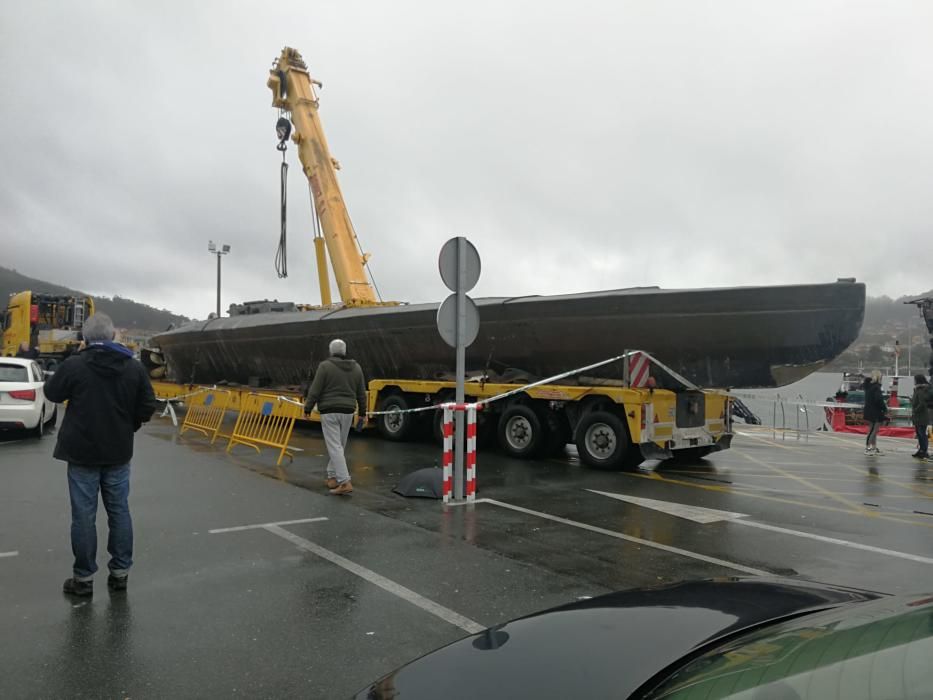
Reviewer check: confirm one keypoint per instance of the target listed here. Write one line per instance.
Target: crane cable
(283, 129)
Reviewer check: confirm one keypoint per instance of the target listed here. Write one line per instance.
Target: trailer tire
(603, 442)
(521, 431)
(396, 427)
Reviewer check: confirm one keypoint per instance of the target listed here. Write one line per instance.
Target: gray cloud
(579, 147)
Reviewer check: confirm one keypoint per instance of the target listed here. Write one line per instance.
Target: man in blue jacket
(109, 397)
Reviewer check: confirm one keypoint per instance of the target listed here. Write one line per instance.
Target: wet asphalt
(361, 584)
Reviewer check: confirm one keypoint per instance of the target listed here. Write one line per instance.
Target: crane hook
(283, 129)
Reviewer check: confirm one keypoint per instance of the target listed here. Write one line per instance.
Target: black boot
(117, 583)
(73, 586)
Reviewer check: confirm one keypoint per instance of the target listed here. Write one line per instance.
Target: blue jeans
(113, 484)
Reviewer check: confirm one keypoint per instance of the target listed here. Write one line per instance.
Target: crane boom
(293, 91)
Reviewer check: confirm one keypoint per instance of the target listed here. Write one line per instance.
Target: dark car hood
(606, 647)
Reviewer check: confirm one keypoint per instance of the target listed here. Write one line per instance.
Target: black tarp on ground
(424, 483)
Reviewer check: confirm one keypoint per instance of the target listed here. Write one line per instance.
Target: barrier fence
(206, 413)
(265, 421)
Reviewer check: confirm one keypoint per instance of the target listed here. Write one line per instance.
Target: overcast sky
(580, 146)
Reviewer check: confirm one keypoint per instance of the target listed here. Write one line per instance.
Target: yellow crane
(293, 93)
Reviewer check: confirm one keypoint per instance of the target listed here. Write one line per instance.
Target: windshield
(855, 655)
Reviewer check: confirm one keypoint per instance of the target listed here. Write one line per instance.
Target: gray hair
(98, 329)
(338, 347)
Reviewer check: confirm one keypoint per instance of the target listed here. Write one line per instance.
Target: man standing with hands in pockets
(109, 398)
(339, 391)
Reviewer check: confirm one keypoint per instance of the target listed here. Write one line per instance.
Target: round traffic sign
(447, 321)
(449, 264)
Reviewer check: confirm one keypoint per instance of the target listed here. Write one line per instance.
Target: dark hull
(735, 337)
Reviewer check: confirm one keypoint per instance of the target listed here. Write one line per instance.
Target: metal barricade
(265, 421)
(205, 413)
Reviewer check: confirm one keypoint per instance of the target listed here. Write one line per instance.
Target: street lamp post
(218, 251)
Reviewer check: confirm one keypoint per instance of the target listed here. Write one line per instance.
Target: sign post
(458, 324)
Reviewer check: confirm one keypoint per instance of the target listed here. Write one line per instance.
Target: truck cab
(50, 322)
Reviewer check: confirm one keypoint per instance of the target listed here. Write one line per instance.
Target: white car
(22, 397)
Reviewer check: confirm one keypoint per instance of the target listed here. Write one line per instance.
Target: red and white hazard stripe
(471, 453)
(448, 459)
(639, 368)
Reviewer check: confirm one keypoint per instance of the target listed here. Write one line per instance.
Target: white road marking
(833, 540)
(629, 538)
(392, 587)
(261, 526)
(683, 511)
(680, 510)
(8, 554)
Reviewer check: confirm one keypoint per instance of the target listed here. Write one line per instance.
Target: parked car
(22, 397)
(743, 639)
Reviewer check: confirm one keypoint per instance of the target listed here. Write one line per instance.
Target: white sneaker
(877, 451)
(869, 451)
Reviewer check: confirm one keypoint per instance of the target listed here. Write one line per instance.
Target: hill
(887, 320)
(126, 313)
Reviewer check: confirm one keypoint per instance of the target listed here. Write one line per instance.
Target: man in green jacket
(339, 391)
(920, 415)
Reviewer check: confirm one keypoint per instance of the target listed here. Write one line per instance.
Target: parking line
(628, 538)
(654, 476)
(8, 554)
(833, 540)
(262, 526)
(392, 587)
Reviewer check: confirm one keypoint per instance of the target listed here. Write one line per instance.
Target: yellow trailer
(613, 427)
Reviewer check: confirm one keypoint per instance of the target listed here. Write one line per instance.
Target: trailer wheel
(395, 426)
(603, 442)
(521, 431)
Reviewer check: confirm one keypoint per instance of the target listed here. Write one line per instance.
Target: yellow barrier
(206, 413)
(265, 420)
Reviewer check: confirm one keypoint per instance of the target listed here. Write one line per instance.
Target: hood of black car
(605, 647)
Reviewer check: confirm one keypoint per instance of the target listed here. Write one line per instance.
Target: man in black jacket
(875, 411)
(109, 397)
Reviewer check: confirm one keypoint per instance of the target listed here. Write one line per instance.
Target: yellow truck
(50, 322)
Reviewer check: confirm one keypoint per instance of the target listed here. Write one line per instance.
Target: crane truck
(613, 426)
(50, 322)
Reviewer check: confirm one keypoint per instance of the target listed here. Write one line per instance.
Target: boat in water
(765, 336)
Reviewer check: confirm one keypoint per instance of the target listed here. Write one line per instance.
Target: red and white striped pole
(471, 453)
(448, 459)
